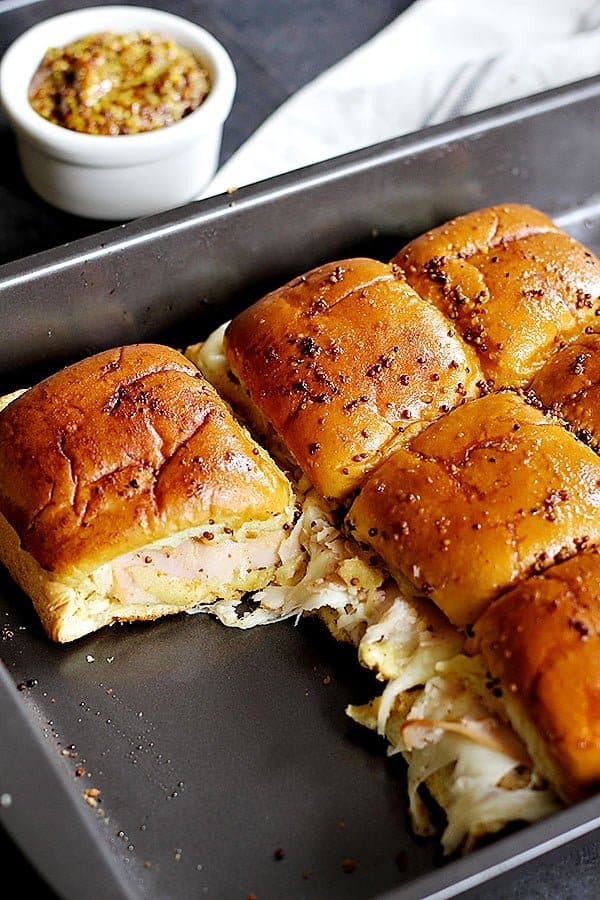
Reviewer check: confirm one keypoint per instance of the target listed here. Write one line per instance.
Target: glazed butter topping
(113, 84)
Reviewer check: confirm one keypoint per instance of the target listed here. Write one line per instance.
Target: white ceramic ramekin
(121, 176)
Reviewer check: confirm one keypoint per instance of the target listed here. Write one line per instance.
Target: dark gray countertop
(277, 46)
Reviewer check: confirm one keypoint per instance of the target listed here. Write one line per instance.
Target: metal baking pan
(224, 763)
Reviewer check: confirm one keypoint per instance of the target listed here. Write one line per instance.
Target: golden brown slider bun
(569, 385)
(112, 454)
(484, 496)
(513, 283)
(344, 361)
(542, 641)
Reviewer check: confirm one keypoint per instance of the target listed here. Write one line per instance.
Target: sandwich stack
(443, 404)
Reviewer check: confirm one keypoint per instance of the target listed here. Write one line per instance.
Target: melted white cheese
(469, 774)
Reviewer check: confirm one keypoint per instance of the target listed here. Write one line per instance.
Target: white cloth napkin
(438, 60)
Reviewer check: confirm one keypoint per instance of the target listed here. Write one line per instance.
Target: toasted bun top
(478, 500)
(514, 284)
(124, 448)
(345, 360)
(569, 385)
(542, 640)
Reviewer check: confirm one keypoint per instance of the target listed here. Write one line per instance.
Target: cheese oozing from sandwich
(461, 751)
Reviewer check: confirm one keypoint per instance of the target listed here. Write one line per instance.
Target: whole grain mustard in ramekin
(106, 83)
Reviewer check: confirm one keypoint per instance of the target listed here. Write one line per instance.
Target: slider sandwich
(338, 367)
(479, 500)
(128, 491)
(541, 643)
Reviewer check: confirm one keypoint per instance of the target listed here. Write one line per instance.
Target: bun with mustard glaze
(514, 284)
(481, 498)
(345, 362)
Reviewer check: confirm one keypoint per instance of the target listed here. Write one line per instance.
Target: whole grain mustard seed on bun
(113, 84)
